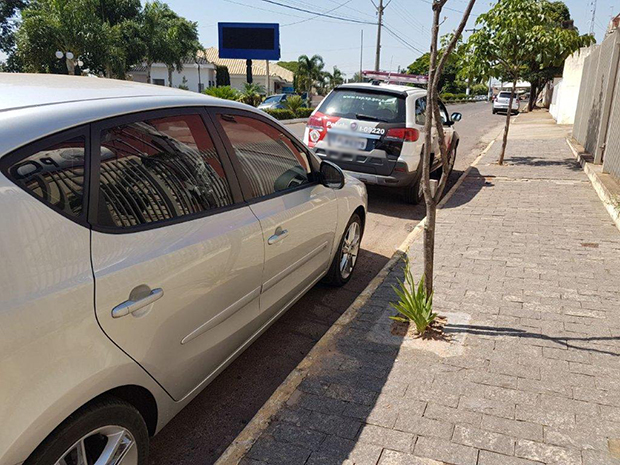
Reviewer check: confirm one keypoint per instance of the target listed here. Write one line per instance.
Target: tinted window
(504, 94)
(420, 110)
(54, 175)
(159, 169)
(362, 104)
(269, 159)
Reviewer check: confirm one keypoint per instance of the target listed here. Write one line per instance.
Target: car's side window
(271, 161)
(420, 111)
(159, 169)
(55, 175)
(443, 112)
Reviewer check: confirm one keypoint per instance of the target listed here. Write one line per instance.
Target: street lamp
(70, 63)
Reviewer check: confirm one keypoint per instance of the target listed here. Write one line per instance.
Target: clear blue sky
(339, 42)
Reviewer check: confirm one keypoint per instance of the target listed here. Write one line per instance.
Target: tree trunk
(429, 245)
(507, 127)
(149, 65)
(170, 76)
(533, 92)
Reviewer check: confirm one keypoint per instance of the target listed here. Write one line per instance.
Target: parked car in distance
(274, 102)
(278, 101)
(375, 132)
(502, 101)
(149, 236)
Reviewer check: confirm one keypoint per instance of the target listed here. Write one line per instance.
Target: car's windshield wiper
(369, 117)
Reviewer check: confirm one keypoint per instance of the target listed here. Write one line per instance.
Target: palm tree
(251, 94)
(335, 78)
(310, 72)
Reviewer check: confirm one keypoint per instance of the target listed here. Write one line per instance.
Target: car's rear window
(364, 105)
(504, 94)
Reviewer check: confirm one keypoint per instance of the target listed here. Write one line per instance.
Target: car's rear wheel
(109, 431)
(345, 259)
(412, 194)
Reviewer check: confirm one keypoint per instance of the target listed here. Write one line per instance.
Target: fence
(597, 120)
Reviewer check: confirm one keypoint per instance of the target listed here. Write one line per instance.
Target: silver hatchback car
(149, 235)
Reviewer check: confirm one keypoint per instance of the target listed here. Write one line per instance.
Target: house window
(159, 82)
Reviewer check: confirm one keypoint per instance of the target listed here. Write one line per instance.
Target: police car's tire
(412, 194)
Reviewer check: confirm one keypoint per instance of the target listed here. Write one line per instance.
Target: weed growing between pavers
(415, 305)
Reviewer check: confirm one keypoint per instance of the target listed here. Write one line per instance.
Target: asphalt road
(203, 430)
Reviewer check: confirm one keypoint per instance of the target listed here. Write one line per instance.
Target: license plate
(346, 142)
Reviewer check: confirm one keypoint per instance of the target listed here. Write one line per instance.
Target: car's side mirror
(456, 116)
(331, 175)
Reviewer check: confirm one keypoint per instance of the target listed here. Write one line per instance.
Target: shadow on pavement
(202, 430)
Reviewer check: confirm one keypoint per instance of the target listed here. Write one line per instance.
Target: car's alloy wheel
(109, 445)
(350, 249)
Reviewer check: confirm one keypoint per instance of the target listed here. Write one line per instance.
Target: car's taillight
(315, 122)
(404, 134)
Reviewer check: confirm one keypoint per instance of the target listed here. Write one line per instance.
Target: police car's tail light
(404, 134)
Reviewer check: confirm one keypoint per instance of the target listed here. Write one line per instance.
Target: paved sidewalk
(528, 274)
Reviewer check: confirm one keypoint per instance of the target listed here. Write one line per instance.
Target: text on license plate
(338, 140)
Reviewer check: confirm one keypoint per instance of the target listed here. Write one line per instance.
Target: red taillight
(404, 134)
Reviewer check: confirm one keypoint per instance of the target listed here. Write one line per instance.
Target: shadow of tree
(569, 163)
(563, 341)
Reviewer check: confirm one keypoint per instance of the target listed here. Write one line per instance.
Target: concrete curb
(610, 201)
(294, 121)
(248, 436)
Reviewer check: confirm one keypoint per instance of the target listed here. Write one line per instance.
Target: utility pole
(593, 4)
(361, 54)
(380, 9)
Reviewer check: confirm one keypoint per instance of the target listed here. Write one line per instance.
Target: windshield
(364, 105)
(272, 99)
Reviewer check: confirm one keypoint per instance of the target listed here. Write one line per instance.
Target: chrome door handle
(278, 236)
(130, 306)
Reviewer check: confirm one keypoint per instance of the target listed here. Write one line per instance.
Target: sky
(338, 42)
(406, 36)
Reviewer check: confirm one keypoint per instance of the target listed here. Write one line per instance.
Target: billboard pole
(248, 71)
(268, 78)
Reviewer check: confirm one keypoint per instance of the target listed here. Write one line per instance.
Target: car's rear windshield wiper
(369, 117)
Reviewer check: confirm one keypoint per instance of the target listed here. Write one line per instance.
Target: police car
(375, 132)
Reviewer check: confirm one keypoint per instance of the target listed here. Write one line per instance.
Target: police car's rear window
(364, 105)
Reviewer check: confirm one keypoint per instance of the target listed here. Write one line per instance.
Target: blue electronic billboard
(249, 41)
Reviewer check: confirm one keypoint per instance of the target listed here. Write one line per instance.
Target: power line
(317, 14)
(448, 8)
(325, 15)
(403, 41)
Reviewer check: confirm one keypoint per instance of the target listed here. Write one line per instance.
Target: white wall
(190, 72)
(566, 90)
(237, 81)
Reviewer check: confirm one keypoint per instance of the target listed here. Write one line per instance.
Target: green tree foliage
(290, 65)
(294, 103)
(9, 10)
(108, 36)
(335, 78)
(512, 36)
(222, 76)
(309, 72)
(223, 92)
(102, 33)
(451, 80)
(252, 94)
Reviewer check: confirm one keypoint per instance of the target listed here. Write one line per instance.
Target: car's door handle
(278, 236)
(130, 306)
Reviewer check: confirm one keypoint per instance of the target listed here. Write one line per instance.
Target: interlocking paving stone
(538, 377)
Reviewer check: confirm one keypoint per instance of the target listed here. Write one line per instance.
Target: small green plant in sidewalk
(414, 305)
